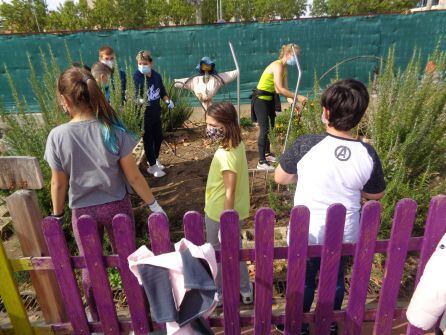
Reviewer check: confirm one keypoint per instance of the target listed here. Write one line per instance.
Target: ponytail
(84, 91)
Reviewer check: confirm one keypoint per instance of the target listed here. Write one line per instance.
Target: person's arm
(283, 178)
(59, 188)
(279, 81)
(230, 181)
(136, 179)
(375, 187)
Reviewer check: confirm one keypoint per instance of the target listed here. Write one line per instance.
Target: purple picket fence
(263, 255)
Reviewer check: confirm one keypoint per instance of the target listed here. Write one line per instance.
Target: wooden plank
(433, 232)
(93, 253)
(66, 279)
(297, 258)
(26, 216)
(193, 223)
(362, 267)
(230, 271)
(20, 172)
(264, 249)
(403, 221)
(328, 273)
(11, 297)
(124, 232)
(159, 233)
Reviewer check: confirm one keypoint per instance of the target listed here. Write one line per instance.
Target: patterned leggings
(103, 214)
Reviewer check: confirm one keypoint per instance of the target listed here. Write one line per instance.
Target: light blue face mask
(291, 61)
(144, 69)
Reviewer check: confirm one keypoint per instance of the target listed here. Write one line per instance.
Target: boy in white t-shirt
(333, 168)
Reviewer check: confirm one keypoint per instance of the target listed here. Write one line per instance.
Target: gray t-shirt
(95, 176)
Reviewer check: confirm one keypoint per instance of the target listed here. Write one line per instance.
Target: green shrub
(406, 124)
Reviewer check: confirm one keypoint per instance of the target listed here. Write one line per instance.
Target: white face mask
(144, 69)
(109, 63)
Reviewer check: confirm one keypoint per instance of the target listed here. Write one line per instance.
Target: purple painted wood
(434, 231)
(124, 232)
(58, 250)
(403, 221)
(93, 253)
(297, 258)
(330, 257)
(193, 223)
(230, 270)
(264, 249)
(362, 266)
(159, 234)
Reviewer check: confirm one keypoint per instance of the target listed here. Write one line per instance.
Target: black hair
(80, 65)
(347, 101)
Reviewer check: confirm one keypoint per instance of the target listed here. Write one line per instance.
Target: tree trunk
(198, 14)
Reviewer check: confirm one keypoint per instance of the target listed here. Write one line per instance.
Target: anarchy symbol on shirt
(343, 153)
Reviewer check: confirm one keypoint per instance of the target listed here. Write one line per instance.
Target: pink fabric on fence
(173, 262)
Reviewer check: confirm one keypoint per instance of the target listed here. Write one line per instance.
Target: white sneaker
(161, 166)
(248, 297)
(271, 158)
(265, 166)
(156, 171)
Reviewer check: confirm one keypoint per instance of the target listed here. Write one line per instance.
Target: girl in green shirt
(228, 182)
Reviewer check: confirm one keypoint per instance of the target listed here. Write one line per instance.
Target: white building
(433, 4)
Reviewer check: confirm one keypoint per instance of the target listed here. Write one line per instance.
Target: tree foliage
(357, 7)
(33, 15)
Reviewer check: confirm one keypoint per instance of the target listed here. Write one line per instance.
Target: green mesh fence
(176, 50)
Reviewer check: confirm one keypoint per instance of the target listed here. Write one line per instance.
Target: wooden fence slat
(124, 232)
(193, 223)
(329, 268)
(27, 219)
(264, 249)
(20, 172)
(230, 267)
(433, 232)
(297, 258)
(403, 221)
(362, 267)
(11, 297)
(159, 234)
(60, 256)
(93, 254)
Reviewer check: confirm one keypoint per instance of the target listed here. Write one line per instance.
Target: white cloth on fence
(428, 303)
(172, 261)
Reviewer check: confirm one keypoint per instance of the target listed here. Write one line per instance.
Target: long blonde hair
(287, 48)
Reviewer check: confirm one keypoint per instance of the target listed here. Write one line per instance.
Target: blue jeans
(313, 265)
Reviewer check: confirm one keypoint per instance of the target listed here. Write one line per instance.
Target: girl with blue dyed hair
(91, 158)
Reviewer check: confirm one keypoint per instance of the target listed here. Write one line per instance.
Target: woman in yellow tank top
(273, 80)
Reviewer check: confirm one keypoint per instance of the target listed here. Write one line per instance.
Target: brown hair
(225, 113)
(81, 88)
(144, 55)
(287, 48)
(106, 50)
(98, 69)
